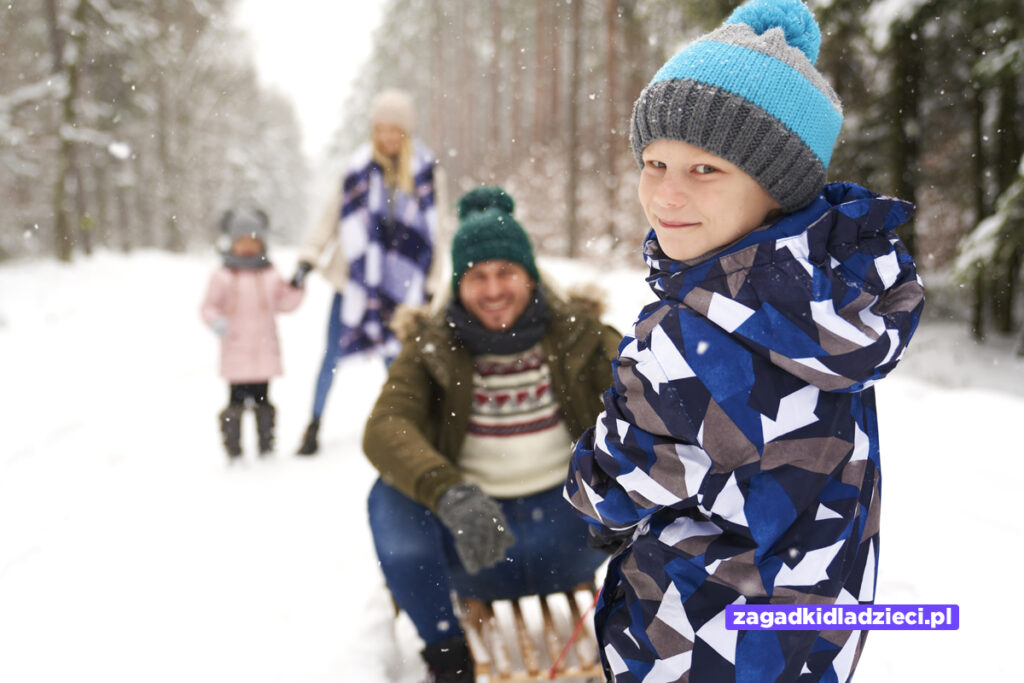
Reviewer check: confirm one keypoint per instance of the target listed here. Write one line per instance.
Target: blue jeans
(418, 559)
(331, 357)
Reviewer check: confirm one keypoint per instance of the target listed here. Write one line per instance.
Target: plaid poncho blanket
(388, 237)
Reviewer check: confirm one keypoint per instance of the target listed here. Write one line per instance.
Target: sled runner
(533, 638)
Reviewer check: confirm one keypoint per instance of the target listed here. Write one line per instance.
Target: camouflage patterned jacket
(738, 450)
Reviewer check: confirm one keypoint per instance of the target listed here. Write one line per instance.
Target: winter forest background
(129, 124)
(129, 551)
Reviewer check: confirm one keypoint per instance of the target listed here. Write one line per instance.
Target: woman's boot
(309, 445)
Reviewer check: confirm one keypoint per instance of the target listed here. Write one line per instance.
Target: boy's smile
(696, 201)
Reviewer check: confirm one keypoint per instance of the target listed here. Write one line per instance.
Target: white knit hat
(395, 107)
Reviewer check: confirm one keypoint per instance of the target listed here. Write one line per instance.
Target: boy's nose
(671, 194)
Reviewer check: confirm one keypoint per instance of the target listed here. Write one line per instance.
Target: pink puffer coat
(248, 300)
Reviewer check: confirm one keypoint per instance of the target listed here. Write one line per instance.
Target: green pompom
(488, 231)
(483, 198)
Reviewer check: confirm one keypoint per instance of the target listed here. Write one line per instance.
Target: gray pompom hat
(748, 92)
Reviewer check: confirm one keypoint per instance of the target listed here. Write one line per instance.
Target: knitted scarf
(236, 262)
(388, 237)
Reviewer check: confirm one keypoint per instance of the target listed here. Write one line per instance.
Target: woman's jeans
(418, 559)
(331, 358)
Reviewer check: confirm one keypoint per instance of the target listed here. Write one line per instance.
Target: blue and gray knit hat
(488, 231)
(749, 93)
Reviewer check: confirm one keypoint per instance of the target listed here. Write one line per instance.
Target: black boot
(309, 445)
(265, 427)
(231, 429)
(449, 661)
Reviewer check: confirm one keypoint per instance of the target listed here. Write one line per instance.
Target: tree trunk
(494, 160)
(167, 183)
(86, 222)
(101, 181)
(540, 71)
(905, 131)
(981, 208)
(438, 128)
(554, 69)
(64, 239)
(122, 184)
(515, 104)
(978, 288)
(1006, 161)
(611, 151)
(572, 223)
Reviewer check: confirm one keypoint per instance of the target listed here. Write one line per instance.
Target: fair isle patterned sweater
(517, 443)
(738, 452)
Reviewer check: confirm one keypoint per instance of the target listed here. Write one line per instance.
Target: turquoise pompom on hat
(488, 231)
(748, 92)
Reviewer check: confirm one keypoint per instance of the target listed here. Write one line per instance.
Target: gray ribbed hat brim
(729, 126)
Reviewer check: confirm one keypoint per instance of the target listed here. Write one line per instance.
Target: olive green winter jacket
(414, 434)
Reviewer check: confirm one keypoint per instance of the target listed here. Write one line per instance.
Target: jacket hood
(828, 293)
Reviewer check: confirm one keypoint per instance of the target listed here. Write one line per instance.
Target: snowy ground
(130, 552)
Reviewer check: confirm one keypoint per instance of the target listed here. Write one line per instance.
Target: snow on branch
(982, 245)
(88, 136)
(52, 87)
(127, 28)
(1008, 59)
(882, 15)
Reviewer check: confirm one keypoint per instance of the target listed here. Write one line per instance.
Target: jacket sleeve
(324, 233)
(214, 301)
(643, 454)
(400, 431)
(596, 376)
(286, 297)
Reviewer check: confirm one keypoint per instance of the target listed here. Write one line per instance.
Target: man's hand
(478, 525)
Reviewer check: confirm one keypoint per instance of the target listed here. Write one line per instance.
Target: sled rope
(575, 634)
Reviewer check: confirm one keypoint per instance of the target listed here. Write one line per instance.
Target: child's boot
(231, 429)
(309, 445)
(265, 413)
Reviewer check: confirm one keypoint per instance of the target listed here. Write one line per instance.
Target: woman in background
(375, 244)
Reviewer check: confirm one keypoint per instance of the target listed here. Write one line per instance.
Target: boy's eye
(704, 169)
(653, 163)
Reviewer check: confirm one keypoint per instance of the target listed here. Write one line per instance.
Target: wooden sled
(528, 639)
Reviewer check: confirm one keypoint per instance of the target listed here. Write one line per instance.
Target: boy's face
(696, 201)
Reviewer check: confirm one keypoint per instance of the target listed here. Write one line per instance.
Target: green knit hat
(488, 231)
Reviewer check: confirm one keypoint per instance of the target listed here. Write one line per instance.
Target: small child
(737, 458)
(241, 301)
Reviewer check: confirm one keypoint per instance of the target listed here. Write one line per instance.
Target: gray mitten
(477, 524)
(220, 326)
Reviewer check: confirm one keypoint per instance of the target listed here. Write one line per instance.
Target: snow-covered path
(129, 550)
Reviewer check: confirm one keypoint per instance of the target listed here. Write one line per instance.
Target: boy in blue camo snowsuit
(737, 458)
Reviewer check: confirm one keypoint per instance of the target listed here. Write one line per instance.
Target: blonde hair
(398, 169)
